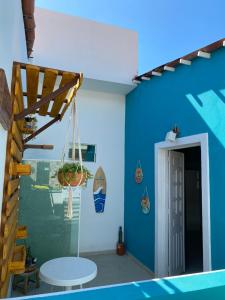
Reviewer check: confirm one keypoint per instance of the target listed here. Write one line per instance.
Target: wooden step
(17, 264)
(21, 232)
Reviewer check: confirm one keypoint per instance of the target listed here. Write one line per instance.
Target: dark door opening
(193, 210)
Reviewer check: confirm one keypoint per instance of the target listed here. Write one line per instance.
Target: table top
(68, 271)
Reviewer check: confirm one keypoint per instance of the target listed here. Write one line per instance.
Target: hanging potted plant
(72, 174)
(31, 122)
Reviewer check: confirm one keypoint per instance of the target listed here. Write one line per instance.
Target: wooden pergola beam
(45, 100)
(44, 147)
(43, 69)
(39, 96)
(37, 132)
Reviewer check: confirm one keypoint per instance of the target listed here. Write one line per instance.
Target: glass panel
(43, 208)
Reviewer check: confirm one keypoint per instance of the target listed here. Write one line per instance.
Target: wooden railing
(12, 257)
(12, 118)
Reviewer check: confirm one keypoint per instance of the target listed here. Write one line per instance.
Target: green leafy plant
(69, 171)
(31, 122)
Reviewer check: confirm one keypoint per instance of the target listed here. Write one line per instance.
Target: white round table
(68, 271)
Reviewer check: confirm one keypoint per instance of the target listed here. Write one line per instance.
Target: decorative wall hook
(138, 173)
(145, 202)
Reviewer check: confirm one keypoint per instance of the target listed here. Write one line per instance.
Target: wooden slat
(19, 89)
(7, 162)
(4, 271)
(39, 96)
(12, 168)
(32, 73)
(15, 152)
(9, 242)
(33, 146)
(67, 77)
(19, 169)
(12, 186)
(65, 107)
(17, 92)
(10, 204)
(3, 221)
(5, 266)
(21, 232)
(16, 110)
(72, 94)
(48, 86)
(17, 136)
(10, 221)
(5, 286)
(23, 170)
(17, 265)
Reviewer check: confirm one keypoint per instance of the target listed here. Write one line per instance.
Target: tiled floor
(112, 269)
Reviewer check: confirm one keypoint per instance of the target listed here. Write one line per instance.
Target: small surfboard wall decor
(99, 190)
(138, 173)
(145, 202)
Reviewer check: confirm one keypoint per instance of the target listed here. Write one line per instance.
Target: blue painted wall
(193, 97)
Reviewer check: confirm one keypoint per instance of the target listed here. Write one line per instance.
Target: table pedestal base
(69, 288)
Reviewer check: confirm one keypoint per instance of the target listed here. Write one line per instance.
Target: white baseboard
(105, 252)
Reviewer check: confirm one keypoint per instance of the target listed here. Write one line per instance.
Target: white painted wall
(100, 51)
(101, 122)
(12, 35)
(13, 47)
(107, 55)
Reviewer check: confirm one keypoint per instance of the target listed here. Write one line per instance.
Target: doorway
(185, 217)
(180, 148)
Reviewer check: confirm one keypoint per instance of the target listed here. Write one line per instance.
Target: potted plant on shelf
(31, 122)
(72, 174)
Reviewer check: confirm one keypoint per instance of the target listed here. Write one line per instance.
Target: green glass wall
(43, 208)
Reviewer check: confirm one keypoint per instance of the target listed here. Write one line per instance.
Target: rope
(73, 118)
(79, 148)
(69, 213)
(67, 136)
(73, 130)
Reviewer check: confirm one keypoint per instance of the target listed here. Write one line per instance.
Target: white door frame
(161, 200)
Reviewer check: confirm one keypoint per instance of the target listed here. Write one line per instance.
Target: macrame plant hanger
(73, 120)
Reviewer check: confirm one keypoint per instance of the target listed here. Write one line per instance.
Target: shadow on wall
(43, 209)
(211, 108)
